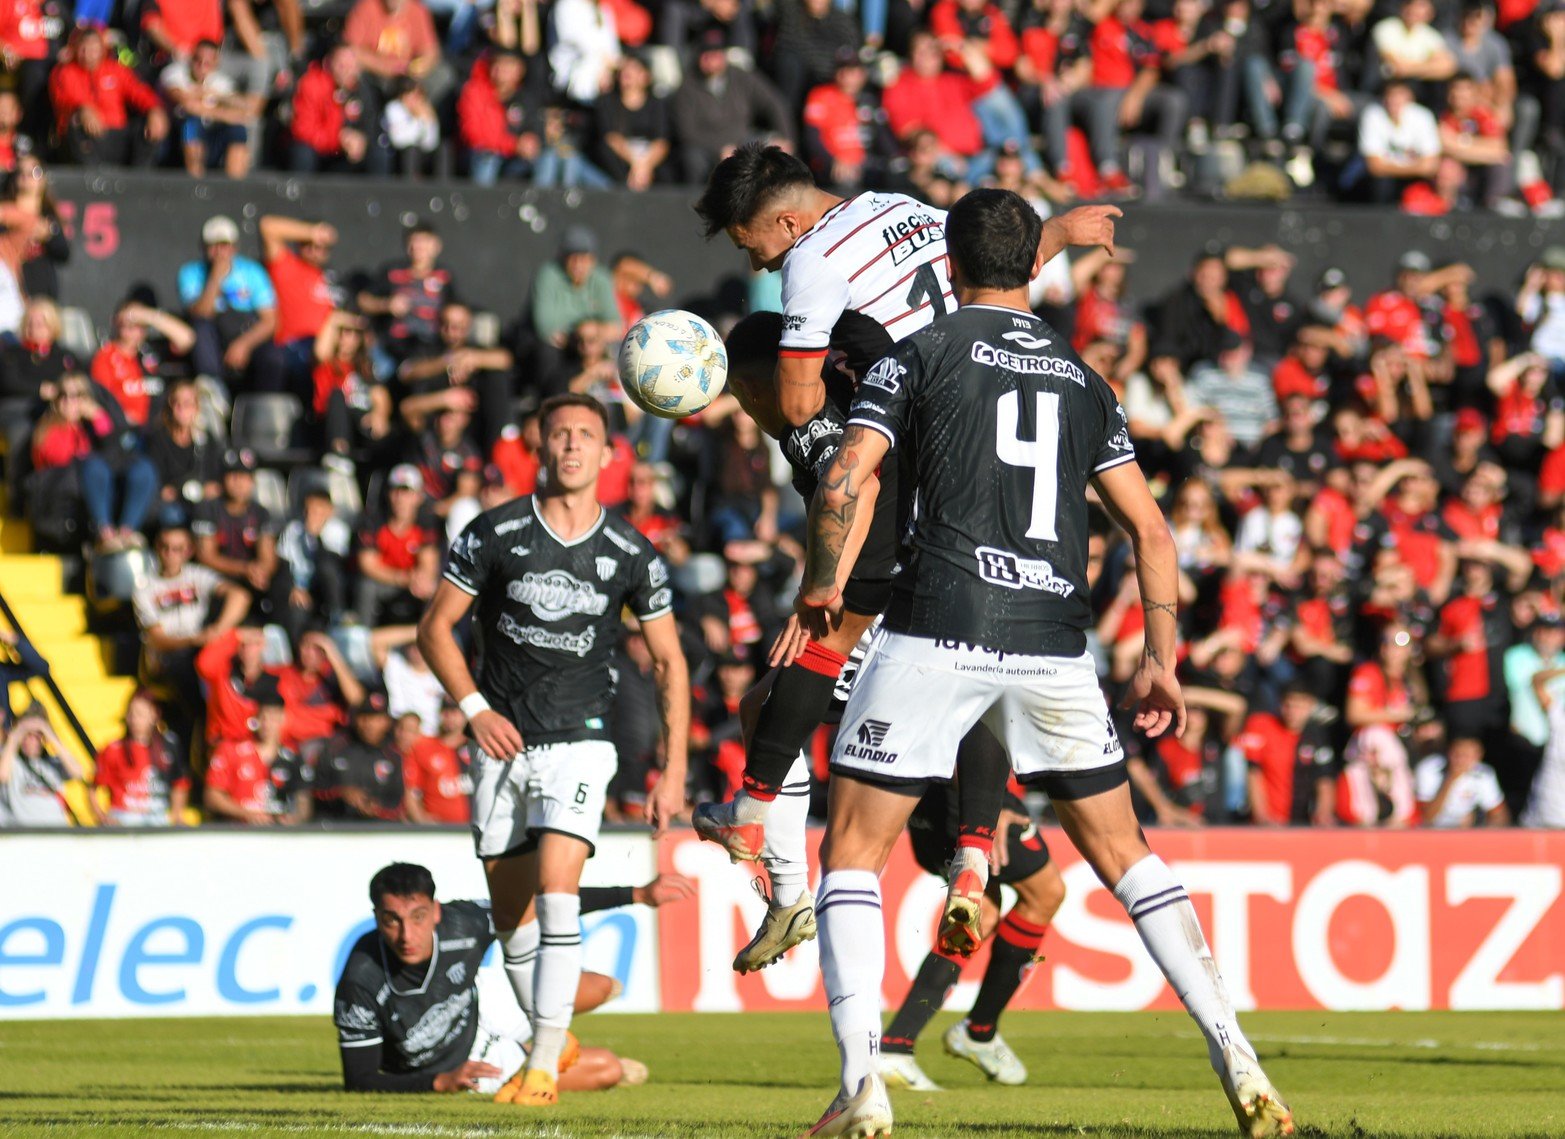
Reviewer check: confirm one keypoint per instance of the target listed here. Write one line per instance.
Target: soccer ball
(672, 364)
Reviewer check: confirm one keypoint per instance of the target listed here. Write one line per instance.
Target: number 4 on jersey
(1041, 454)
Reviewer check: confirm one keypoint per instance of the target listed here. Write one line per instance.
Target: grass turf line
(769, 1076)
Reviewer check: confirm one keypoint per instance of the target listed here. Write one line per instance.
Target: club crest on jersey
(557, 594)
(457, 973)
(657, 572)
(606, 567)
(1025, 340)
(1001, 567)
(466, 546)
(887, 376)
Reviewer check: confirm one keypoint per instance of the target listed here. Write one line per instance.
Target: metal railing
(71, 719)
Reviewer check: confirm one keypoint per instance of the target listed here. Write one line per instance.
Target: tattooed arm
(836, 505)
(1154, 688)
(672, 677)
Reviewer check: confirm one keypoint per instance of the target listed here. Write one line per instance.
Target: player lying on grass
(882, 258)
(1021, 861)
(408, 1010)
(821, 670)
(1003, 429)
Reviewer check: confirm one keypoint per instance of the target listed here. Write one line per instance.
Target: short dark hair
(213, 44)
(745, 181)
(754, 340)
(401, 880)
(572, 399)
(992, 237)
(1300, 688)
(420, 226)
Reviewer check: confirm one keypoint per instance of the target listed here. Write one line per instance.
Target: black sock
(1012, 954)
(800, 697)
(982, 769)
(935, 977)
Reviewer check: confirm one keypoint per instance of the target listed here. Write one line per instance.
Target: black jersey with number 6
(548, 615)
(1003, 426)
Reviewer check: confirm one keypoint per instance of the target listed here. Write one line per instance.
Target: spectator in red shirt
(399, 557)
(928, 97)
(352, 406)
(1304, 84)
(1200, 57)
(336, 119)
(434, 772)
(317, 691)
(175, 27)
(126, 366)
(1396, 314)
(846, 136)
(297, 257)
(643, 511)
(1125, 92)
(142, 772)
(13, 143)
(1320, 635)
(1471, 133)
(979, 41)
(501, 119)
(233, 668)
(1529, 413)
(258, 780)
(396, 38)
(1292, 765)
(1378, 693)
(78, 456)
(30, 30)
(1475, 628)
(92, 94)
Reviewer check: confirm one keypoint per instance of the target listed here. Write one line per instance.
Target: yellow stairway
(56, 623)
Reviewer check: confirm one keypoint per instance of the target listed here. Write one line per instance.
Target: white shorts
(552, 787)
(915, 699)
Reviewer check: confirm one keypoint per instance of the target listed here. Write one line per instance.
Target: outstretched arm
(834, 508)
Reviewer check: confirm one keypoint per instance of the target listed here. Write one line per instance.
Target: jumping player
(790, 918)
(882, 256)
(410, 1008)
(550, 574)
(1004, 428)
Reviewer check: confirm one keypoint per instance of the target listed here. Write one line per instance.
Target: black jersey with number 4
(1003, 426)
(422, 1017)
(548, 614)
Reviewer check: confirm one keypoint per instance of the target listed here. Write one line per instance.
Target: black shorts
(933, 833)
(868, 590)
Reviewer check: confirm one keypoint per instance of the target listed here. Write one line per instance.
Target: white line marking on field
(1357, 1042)
(395, 1130)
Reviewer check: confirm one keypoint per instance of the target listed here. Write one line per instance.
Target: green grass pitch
(770, 1076)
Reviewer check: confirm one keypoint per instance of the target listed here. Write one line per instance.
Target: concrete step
(30, 577)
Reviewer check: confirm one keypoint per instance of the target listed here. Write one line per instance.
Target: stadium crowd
(1440, 107)
(1365, 476)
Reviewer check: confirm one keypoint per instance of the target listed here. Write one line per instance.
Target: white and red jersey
(883, 255)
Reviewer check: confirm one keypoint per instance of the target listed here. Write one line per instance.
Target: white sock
(853, 964)
(748, 809)
(519, 947)
(1168, 926)
(559, 972)
(784, 854)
